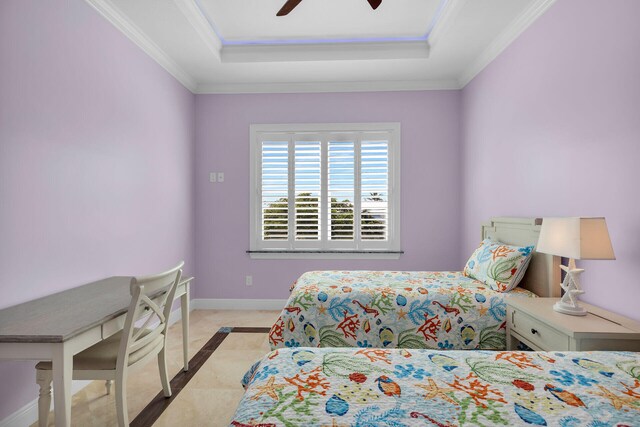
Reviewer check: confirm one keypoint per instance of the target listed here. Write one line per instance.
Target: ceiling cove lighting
(315, 41)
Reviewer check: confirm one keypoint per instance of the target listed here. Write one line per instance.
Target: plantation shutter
(341, 190)
(308, 187)
(374, 175)
(275, 190)
(326, 190)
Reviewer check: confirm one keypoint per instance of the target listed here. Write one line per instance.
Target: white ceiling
(229, 46)
(319, 19)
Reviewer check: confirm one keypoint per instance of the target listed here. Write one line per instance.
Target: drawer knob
(534, 331)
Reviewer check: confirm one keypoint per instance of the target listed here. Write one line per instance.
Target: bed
(399, 387)
(436, 310)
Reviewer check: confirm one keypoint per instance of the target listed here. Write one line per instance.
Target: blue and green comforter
(392, 309)
(400, 388)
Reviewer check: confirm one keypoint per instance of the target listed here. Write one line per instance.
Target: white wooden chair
(112, 358)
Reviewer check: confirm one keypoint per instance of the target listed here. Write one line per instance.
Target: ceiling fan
(291, 4)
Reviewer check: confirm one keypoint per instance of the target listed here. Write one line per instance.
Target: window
(325, 189)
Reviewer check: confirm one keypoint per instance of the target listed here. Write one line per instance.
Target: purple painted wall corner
(551, 128)
(96, 149)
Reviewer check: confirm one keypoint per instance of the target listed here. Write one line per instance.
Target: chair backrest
(151, 301)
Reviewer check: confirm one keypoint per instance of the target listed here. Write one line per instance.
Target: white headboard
(543, 275)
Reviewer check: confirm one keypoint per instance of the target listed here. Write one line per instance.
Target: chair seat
(103, 355)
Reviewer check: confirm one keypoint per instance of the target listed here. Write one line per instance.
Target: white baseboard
(237, 304)
(176, 315)
(28, 414)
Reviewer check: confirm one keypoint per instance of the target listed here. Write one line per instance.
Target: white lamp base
(574, 310)
(571, 286)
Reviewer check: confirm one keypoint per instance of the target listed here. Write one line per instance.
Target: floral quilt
(398, 387)
(392, 309)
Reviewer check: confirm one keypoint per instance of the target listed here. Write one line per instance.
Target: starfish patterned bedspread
(398, 387)
(391, 309)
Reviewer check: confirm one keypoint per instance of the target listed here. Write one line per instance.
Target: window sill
(279, 254)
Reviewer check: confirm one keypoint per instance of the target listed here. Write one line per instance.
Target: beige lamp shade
(577, 238)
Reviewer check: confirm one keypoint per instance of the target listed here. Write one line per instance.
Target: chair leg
(44, 379)
(107, 385)
(121, 402)
(164, 377)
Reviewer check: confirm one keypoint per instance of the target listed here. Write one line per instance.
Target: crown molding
(326, 51)
(200, 23)
(448, 16)
(508, 36)
(202, 26)
(112, 14)
(325, 87)
(247, 52)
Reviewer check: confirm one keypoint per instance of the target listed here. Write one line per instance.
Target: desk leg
(184, 308)
(62, 361)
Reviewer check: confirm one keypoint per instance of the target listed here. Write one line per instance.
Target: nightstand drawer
(538, 333)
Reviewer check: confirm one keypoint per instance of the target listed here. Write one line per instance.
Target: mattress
(399, 387)
(390, 309)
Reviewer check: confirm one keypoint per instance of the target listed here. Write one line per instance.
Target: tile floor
(210, 398)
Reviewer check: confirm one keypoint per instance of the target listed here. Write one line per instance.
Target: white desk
(58, 326)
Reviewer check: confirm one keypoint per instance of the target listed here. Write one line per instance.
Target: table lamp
(574, 238)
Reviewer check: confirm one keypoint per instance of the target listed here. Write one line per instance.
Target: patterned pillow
(499, 266)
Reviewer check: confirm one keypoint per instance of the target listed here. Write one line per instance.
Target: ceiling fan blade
(288, 7)
(375, 3)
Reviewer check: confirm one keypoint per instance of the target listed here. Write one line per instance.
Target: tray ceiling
(231, 46)
(255, 20)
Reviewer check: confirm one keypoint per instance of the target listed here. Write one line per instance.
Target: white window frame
(292, 249)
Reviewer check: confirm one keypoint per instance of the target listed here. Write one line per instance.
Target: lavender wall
(96, 148)
(94, 136)
(552, 128)
(430, 183)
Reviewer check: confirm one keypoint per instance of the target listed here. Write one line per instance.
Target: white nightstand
(534, 322)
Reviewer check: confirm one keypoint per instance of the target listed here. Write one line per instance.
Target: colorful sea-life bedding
(392, 309)
(398, 387)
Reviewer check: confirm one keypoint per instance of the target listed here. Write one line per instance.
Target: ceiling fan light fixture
(375, 3)
(291, 4)
(288, 7)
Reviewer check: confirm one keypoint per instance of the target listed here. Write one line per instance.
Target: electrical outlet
(220, 176)
(213, 177)
(248, 281)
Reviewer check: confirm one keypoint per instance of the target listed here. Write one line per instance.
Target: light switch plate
(212, 177)
(220, 176)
